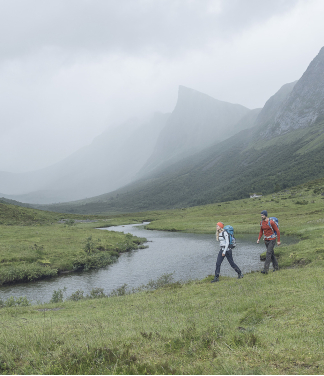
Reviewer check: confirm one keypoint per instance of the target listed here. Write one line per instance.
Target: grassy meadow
(36, 245)
(261, 324)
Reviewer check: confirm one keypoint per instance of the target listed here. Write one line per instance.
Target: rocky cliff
(270, 110)
(304, 106)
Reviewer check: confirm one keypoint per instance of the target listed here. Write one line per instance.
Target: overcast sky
(70, 69)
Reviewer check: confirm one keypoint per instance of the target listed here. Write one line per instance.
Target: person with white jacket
(223, 237)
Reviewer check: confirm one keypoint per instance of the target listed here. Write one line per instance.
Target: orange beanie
(220, 224)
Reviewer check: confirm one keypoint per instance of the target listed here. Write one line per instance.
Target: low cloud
(71, 69)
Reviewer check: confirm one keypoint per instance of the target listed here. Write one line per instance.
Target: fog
(71, 70)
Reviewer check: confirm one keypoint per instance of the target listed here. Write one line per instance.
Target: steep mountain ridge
(264, 158)
(270, 110)
(196, 122)
(131, 151)
(304, 105)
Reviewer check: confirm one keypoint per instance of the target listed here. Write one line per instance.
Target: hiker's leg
(268, 255)
(273, 257)
(229, 257)
(219, 261)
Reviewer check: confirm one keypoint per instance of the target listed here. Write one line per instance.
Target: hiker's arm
(260, 234)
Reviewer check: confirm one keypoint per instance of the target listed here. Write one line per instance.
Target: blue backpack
(232, 241)
(276, 221)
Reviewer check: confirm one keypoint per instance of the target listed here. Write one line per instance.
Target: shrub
(77, 295)
(119, 291)
(13, 302)
(70, 222)
(303, 202)
(89, 245)
(25, 272)
(92, 261)
(97, 293)
(57, 296)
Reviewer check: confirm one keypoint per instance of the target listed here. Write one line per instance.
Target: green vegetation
(261, 324)
(300, 211)
(228, 171)
(36, 244)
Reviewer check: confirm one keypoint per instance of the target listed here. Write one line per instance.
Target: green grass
(243, 163)
(258, 325)
(261, 324)
(300, 211)
(34, 245)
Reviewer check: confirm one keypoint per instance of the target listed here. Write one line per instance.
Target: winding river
(187, 256)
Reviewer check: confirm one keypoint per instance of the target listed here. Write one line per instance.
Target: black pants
(270, 255)
(229, 257)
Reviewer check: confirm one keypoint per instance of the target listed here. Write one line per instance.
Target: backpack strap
(229, 236)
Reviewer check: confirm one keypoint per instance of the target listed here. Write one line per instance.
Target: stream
(186, 256)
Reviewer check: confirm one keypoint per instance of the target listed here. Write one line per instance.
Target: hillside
(130, 151)
(212, 175)
(196, 123)
(260, 159)
(304, 106)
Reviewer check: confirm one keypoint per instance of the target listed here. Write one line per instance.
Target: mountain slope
(304, 106)
(196, 122)
(270, 110)
(217, 175)
(264, 158)
(131, 151)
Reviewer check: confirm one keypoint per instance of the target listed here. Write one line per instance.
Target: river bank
(185, 256)
(30, 253)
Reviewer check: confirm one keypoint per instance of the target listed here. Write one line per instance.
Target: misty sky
(70, 69)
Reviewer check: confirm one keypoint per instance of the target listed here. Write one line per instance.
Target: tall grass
(258, 325)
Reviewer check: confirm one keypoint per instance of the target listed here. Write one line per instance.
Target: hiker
(270, 231)
(225, 251)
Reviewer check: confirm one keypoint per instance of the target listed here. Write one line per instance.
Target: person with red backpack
(270, 231)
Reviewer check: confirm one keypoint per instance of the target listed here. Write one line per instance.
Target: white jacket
(224, 240)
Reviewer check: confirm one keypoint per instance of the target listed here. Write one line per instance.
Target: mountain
(112, 160)
(184, 183)
(196, 122)
(304, 105)
(131, 151)
(270, 110)
(284, 148)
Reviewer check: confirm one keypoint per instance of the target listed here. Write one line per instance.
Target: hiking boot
(275, 270)
(264, 272)
(216, 279)
(240, 276)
